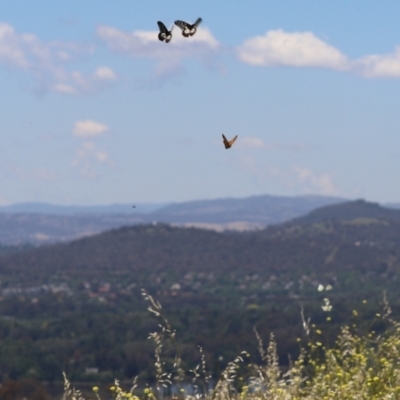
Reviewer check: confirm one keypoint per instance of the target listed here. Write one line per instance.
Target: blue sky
(96, 110)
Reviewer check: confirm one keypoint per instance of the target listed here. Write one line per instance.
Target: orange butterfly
(228, 143)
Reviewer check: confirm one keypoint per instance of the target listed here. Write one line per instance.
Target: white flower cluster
(327, 305)
(321, 288)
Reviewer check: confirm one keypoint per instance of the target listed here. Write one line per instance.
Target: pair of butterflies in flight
(187, 29)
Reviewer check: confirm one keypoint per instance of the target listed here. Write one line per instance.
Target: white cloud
(298, 49)
(76, 82)
(63, 88)
(47, 62)
(11, 52)
(379, 66)
(169, 57)
(87, 156)
(89, 150)
(88, 129)
(304, 49)
(312, 182)
(50, 62)
(105, 73)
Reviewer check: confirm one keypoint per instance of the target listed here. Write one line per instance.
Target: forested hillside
(78, 305)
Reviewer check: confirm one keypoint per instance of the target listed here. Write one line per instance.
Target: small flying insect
(188, 29)
(228, 143)
(164, 34)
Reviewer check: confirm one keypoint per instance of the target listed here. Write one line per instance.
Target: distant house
(105, 288)
(176, 286)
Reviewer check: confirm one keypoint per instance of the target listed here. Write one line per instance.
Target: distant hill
(259, 211)
(43, 223)
(159, 248)
(352, 210)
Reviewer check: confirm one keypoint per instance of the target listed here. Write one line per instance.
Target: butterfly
(228, 143)
(188, 29)
(164, 34)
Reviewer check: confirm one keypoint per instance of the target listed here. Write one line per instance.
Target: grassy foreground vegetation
(361, 365)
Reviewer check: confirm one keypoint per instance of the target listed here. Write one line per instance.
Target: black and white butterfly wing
(164, 34)
(182, 24)
(197, 23)
(162, 27)
(169, 35)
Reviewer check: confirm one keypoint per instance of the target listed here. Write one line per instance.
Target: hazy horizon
(161, 204)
